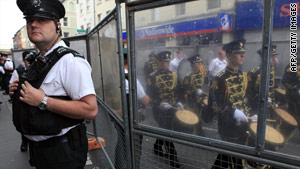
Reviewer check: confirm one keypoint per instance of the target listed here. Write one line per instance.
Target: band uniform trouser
(63, 152)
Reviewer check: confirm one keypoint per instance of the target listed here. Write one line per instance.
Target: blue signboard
(249, 15)
(221, 23)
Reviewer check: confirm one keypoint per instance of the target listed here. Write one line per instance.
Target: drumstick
(268, 120)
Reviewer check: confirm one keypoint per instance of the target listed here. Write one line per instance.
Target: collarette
(232, 70)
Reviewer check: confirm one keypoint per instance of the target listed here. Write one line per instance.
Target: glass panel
(79, 46)
(189, 87)
(110, 66)
(284, 107)
(95, 63)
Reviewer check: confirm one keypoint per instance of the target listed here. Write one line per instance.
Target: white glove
(239, 116)
(179, 105)
(199, 92)
(253, 118)
(269, 100)
(165, 106)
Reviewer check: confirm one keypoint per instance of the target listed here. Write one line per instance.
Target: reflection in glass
(205, 30)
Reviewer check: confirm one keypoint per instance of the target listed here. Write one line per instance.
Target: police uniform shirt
(2, 70)
(13, 76)
(70, 76)
(8, 63)
(216, 66)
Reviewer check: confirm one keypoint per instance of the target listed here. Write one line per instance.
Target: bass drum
(186, 121)
(286, 123)
(274, 140)
(184, 69)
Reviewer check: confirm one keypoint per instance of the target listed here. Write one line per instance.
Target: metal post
(265, 73)
(123, 88)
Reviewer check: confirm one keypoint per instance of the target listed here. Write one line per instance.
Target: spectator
(175, 62)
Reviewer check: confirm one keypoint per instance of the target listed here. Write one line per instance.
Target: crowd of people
(232, 97)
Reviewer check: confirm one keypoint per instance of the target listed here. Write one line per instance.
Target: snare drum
(286, 123)
(186, 121)
(274, 140)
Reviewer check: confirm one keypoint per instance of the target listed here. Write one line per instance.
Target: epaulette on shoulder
(153, 73)
(255, 69)
(61, 51)
(221, 73)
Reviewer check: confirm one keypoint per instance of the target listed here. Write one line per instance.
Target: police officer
(8, 67)
(162, 88)
(254, 81)
(18, 72)
(227, 99)
(151, 65)
(54, 94)
(192, 86)
(291, 80)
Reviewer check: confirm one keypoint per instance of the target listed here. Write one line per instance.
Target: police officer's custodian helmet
(50, 9)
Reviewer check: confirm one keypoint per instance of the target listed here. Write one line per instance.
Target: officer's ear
(58, 27)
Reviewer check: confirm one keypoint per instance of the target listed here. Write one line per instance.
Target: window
(155, 14)
(212, 4)
(65, 22)
(99, 17)
(81, 9)
(180, 9)
(66, 34)
(87, 5)
(71, 6)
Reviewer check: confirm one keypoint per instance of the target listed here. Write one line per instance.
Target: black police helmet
(49, 9)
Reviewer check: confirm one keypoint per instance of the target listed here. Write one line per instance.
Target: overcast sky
(11, 20)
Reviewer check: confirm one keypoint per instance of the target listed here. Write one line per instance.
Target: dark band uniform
(253, 85)
(191, 86)
(291, 80)
(150, 66)
(161, 88)
(55, 141)
(227, 93)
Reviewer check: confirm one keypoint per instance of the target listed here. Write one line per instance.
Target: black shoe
(175, 163)
(158, 153)
(24, 147)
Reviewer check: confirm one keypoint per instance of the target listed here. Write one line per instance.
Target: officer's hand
(31, 95)
(165, 106)
(199, 92)
(179, 105)
(253, 118)
(13, 86)
(239, 116)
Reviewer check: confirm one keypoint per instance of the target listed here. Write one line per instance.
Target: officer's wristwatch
(43, 104)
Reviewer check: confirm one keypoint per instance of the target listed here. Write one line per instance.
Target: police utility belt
(31, 120)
